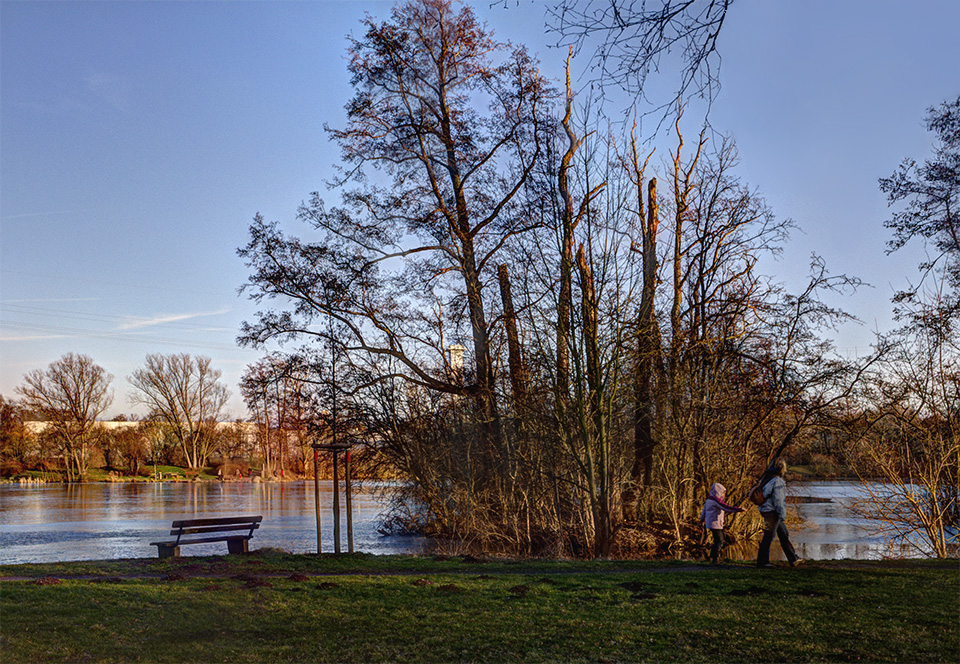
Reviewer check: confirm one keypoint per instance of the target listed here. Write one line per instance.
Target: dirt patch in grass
(48, 581)
(639, 591)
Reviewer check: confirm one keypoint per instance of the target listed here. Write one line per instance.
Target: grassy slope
(405, 609)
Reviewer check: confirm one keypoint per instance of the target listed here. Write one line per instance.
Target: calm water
(49, 523)
(56, 522)
(831, 530)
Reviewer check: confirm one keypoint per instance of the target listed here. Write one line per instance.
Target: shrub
(48, 466)
(230, 469)
(10, 468)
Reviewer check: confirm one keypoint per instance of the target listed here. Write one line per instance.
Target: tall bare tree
(277, 391)
(443, 132)
(185, 393)
(647, 330)
(70, 395)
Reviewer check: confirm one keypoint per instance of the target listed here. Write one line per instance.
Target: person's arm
(728, 508)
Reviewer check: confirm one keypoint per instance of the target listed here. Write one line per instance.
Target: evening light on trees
(185, 393)
(71, 394)
(443, 131)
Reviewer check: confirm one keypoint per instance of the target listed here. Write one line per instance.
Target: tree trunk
(595, 420)
(568, 224)
(648, 356)
(514, 357)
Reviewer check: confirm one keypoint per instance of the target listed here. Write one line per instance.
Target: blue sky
(138, 139)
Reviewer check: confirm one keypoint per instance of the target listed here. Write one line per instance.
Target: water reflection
(831, 529)
(49, 523)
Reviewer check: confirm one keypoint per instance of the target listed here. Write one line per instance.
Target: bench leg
(168, 551)
(238, 545)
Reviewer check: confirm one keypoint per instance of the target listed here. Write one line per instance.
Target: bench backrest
(216, 525)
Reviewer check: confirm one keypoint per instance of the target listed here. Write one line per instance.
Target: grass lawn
(308, 608)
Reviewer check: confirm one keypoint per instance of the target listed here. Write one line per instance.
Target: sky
(139, 139)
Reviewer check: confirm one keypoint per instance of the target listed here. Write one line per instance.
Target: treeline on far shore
(129, 449)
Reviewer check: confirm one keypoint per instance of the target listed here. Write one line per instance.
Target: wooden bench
(200, 531)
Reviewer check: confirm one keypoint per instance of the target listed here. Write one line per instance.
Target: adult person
(774, 513)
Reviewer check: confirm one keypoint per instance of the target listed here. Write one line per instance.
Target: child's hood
(717, 491)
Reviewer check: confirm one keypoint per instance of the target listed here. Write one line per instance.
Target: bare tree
(910, 437)
(129, 445)
(931, 192)
(632, 39)
(70, 394)
(444, 130)
(648, 349)
(14, 441)
(277, 391)
(185, 393)
(914, 443)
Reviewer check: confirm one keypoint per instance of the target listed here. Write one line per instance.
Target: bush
(10, 468)
(230, 469)
(48, 466)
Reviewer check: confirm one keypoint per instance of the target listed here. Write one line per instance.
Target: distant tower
(456, 360)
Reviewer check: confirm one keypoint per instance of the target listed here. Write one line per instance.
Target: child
(712, 516)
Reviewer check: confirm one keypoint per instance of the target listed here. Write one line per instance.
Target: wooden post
(349, 506)
(316, 492)
(336, 505)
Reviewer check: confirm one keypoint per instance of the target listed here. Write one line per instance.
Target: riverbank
(155, 474)
(276, 607)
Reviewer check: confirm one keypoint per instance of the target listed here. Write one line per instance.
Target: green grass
(98, 474)
(280, 608)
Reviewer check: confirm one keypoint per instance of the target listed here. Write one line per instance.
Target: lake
(831, 529)
(57, 522)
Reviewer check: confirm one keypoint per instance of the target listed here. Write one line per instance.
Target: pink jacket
(714, 509)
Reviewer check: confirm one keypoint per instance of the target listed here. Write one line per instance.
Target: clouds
(32, 323)
(136, 323)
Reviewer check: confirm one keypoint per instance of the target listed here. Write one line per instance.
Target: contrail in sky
(138, 323)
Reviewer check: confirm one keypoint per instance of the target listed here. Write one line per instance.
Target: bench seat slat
(213, 529)
(202, 540)
(217, 521)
